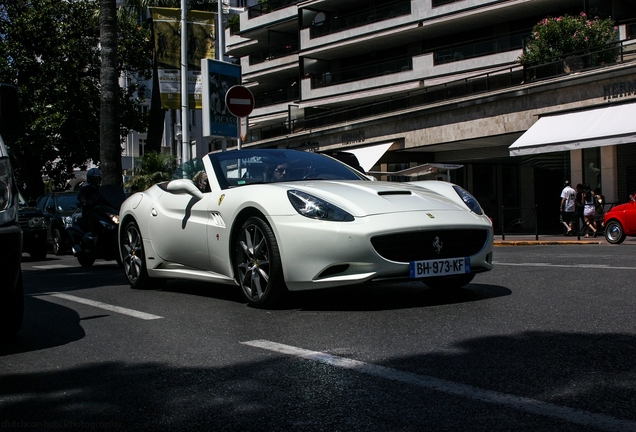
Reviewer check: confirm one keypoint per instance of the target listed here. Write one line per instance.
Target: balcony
(323, 25)
(268, 6)
(502, 79)
(361, 72)
(484, 47)
(275, 97)
(275, 52)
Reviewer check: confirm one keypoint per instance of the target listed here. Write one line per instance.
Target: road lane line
(586, 266)
(586, 418)
(97, 304)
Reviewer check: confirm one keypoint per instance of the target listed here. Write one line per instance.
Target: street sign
(239, 101)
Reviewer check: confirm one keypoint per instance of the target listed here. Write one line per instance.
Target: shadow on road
(592, 372)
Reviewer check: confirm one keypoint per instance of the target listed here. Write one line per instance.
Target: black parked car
(34, 228)
(57, 207)
(11, 288)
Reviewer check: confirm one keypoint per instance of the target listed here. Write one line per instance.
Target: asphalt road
(546, 341)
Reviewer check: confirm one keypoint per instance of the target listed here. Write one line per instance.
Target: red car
(620, 221)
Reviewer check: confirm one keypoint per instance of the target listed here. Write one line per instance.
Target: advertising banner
(217, 78)
(167, 37)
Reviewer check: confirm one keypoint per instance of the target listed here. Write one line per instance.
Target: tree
(49, 49)
(554, 39)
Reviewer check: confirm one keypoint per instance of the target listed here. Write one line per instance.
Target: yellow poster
(200, 43)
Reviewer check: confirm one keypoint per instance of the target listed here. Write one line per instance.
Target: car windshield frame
(238, 168)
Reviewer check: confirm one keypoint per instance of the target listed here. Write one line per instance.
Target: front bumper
(318, 254)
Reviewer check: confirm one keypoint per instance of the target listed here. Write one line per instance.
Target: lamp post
(185, 122)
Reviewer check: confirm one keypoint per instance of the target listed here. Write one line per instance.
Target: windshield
(67, 202)
(243, 167)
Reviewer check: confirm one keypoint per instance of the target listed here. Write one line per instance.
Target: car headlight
(114, 218)
(470, 201)
(37, 222)
(8, 209)
(316, 208)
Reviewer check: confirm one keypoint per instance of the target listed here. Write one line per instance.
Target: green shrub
(554, 39)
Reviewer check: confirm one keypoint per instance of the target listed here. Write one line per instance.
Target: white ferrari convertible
(271, 220)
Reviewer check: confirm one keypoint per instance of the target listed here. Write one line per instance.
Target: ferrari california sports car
(620, 221)
(272, 220)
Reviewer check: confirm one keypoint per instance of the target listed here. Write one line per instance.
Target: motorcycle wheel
(85, 260)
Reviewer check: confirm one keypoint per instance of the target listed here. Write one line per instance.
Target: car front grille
(426, 245)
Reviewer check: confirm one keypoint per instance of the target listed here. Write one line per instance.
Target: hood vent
(402, 192)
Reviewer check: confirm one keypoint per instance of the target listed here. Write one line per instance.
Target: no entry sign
(239, 101)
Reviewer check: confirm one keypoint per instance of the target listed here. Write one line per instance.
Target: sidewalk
(531, 240)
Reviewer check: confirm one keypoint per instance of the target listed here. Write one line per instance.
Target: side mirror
(183, 186)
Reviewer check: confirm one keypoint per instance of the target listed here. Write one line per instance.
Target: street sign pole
(239, 100)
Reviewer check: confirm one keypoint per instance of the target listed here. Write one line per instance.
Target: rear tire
(85, 260)
(449, 282)
(38, 254)
(614, 233)
(257, 265)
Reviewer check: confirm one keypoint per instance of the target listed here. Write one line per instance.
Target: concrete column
(576, 167)
(609, 173)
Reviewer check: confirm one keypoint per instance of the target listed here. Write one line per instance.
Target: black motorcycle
(89, 246)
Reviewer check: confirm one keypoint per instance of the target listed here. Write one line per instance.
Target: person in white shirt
(568, 208)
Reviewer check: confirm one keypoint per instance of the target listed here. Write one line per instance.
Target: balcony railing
(360, 72)
(502, 79)
(477, 49)
(268, 6)
(274, 53)
(289, 94)
(358, 19)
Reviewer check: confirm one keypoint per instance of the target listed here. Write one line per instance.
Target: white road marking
(586, 418)
(97, 304)
(587, 266)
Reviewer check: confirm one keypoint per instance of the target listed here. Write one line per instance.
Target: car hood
(362, 198)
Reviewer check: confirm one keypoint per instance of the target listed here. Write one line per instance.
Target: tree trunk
(109, 135)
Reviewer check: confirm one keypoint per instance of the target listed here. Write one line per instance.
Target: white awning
(597, 127)
(370, 155)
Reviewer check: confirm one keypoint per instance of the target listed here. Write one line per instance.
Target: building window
(592, 167)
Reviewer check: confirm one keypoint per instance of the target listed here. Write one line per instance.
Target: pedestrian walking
(567, 209)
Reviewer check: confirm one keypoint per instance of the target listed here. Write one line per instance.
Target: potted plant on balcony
(570, 43)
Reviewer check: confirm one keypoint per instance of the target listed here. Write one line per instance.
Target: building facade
(408, 82)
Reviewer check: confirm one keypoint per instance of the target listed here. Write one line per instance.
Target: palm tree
(150, 169)
(110, 148)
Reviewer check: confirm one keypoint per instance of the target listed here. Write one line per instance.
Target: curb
(540, 242)
(544, 242)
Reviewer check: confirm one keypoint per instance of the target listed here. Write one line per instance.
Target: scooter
(89, 246)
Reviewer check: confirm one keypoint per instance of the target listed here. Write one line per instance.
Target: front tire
(12, 310)
(614, 233)
(449, 282)
(133, 257)
(258, 266)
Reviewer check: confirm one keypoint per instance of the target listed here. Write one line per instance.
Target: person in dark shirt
(90, 199)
